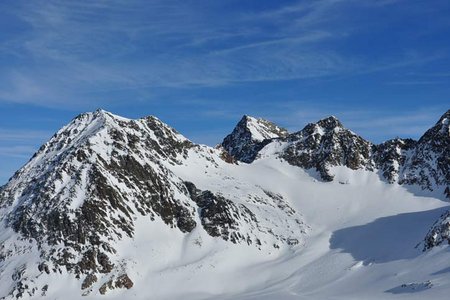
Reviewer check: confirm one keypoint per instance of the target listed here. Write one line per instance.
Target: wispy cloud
(23, 152)
(23, 135)
(80, 52)
(417, 82)
(406, 124)
(17, 146)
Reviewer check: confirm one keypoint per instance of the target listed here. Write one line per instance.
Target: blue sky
(382, 67)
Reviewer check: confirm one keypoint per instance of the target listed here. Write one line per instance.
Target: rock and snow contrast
(249, 136)
(113, 208)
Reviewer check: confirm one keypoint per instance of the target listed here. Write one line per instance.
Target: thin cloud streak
(67, 39)
(22, 152)
(14, 135)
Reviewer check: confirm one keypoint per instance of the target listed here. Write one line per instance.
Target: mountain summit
(249, 136)
(327, 144)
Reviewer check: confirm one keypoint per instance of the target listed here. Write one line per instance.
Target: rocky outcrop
(249, 136)
(390, 157)
(429, 164)
(221, 217)
(117, 282)
(439, 233)
(326, 144)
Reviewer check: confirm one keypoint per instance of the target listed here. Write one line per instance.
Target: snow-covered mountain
(327, 144)
(87, 188)
(118, 208)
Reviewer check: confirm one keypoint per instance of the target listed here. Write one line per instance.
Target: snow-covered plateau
(113, 208)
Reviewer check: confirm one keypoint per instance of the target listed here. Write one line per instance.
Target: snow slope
(356, 237)
(361, 242)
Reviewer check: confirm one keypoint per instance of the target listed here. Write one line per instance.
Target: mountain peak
(444, 123)
(330, 122)
(439, 132)
(446, 114)
(328, 125)
(327, 144)
(249, 136)
(100, 111)
(261, 129)
(98, 115)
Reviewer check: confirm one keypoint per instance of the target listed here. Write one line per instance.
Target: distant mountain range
(326, 144)
(119, 208)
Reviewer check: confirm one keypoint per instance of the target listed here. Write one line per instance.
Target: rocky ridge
(326, 144)
(249, 136)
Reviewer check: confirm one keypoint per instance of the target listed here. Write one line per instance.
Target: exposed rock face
(430, 167)
(390, 157)
(319, 146)
(439, 233)
(429, 164)
(82, 191)
(220, 217)
(119, 282)
(325, 144)
(247, 222)
(249, 136)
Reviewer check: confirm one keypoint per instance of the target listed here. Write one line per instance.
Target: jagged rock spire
(249, 136)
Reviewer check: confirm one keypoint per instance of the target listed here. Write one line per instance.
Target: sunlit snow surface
(362, 241)
(361, 244)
